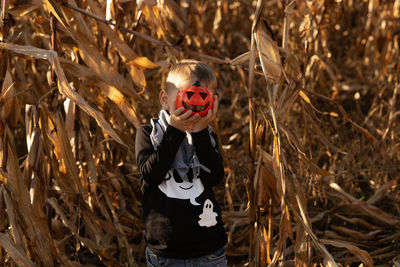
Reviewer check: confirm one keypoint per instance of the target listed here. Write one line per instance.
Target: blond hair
(187, 69)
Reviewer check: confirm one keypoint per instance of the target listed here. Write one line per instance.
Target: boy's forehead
(178, 82)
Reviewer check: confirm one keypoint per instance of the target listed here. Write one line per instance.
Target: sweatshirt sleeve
(154, 164)
(209, 157)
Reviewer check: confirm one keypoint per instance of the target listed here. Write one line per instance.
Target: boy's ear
(163, 96)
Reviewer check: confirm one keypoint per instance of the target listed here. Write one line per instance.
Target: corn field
(309, 125)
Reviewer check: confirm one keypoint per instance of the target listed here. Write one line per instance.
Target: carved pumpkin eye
(190, 175)
(190, 94)
(203, 95)
(177, 177)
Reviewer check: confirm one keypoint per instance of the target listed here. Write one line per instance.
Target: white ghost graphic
(207, 218)
(174, 186)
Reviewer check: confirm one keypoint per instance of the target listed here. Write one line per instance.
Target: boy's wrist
(200, 126)
(200, 130)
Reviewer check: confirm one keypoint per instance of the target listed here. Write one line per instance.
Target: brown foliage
(309, 126)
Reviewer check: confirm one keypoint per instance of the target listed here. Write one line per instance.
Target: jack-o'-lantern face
(195, 98)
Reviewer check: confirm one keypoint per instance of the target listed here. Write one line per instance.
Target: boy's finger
(194, 118)
(210, 114)
(214, 114)
(215, 107)
(185, 115)
(179, 111)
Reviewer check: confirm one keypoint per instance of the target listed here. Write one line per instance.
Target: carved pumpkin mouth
(186, 188)
(195, 108)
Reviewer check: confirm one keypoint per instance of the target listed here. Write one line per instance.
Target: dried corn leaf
(4, 9)
(328, 258)
(16, 232)
(172, 17)
(380, 193)
(24, 9)
(302, 241)
(127, 54)
(251, 89)
(15, 180)
(19, 257)
(241, 59)
(137, 76)
(314, 167)
(278, 168)
(356, 235)
(67, 156)
(321, 136)
(69, 119)
(286, 24)
(10, 107)
(110, 91)
(361, 254)
(143, 62)
(51, 9)
(358, 221)
(286, 101)
(81, 22)
(34, 228)
(366, 208)
(269, 54)
(141, 3)
(100, 65)
(85, 241)
(362, 130)
(63, 85)
(205, 57)
(151, 13)
(304, 97)
(268, 186)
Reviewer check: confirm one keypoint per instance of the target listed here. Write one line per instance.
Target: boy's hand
(182, 120)
(203, 122)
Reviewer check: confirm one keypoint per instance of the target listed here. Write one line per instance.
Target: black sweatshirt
(177, 225)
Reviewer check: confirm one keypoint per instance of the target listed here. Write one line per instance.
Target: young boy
(179, 164)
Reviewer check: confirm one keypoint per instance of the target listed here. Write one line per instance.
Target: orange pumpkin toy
(195, 98)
